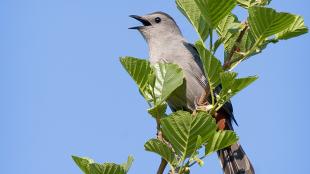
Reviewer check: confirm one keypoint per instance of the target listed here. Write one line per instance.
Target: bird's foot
(205, 108)
(200, 105)
(201, 101)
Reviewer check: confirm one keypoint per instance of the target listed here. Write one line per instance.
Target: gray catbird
(166, 44)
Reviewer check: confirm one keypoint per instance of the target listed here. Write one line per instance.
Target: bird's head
(157, 25)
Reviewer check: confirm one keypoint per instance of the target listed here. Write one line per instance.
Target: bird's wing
(199, 75)
(228, 108)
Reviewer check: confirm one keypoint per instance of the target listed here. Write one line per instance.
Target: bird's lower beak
(144, 21)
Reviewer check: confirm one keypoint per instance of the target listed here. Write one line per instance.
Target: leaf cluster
(241, 40)
(184, 133)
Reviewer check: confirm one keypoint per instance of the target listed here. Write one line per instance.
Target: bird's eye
(157, 19)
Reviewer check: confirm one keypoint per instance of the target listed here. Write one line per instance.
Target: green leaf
(83, 163)
(168, 78)
(158, 111)
(265, 26)
(215, 10)
(231, 85)
(193, 14)
(228, 34)
(247, 43)
(220, 140)
(212, 66)
(227, 37)
(297, 28)
(199, 142)
(155, 82)
(230, 82)
(88, 166)
(217, 44)
(246, 3)
(194, 156)
(128, 164)
(106, 168)
(162, 149)
(265, 22)
(182, 129)
(250, 3)
(139, 70)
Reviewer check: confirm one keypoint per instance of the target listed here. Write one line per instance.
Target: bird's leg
(202, 103)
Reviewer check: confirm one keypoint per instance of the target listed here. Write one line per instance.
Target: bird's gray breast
(184, 55)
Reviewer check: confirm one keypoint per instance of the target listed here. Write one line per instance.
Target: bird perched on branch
(167, 44)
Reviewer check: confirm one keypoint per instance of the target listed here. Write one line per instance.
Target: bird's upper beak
(144, 21)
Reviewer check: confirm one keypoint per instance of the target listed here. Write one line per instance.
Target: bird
(166, 44)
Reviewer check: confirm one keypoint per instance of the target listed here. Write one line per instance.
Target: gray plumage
(166, 44)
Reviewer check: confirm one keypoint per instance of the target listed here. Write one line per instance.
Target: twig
(162, 166)
(163, 163)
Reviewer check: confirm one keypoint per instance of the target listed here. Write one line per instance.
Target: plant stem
(163, 162)
(211, 47)
(162, 166)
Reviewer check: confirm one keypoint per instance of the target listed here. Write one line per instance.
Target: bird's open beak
(144, 21)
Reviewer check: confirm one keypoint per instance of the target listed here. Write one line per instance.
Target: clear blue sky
(63, 90)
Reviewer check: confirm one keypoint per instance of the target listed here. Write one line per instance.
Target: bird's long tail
(235, 161)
